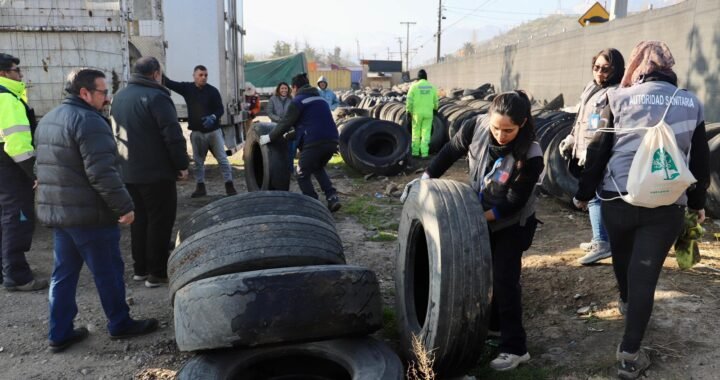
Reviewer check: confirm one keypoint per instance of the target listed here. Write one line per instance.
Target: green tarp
(267, 74)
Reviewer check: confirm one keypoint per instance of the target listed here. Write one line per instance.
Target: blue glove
(208, 121)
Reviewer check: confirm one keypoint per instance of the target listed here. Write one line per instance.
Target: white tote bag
(659, 174)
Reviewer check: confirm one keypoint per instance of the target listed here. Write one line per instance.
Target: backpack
(659, 174)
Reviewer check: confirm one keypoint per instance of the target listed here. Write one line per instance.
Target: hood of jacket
(145, 81)
(14, 86)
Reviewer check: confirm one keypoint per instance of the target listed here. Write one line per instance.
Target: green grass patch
(390, 330)
(524, 372)
(375, 215)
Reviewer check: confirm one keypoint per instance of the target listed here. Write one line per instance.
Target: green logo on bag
(663, 161)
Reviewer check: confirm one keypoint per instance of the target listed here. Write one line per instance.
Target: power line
(460, 19)
(407, 44)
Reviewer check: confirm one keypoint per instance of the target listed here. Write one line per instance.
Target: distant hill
(538, 28)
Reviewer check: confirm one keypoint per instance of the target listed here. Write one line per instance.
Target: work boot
(155, 281)
(199, 190)
(230, 188)
(29, 287)
(79, 334)
(600, 250)
(137, 328)
(333, 203)
(631, 365)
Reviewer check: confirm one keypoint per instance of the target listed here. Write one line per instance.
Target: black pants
(155, 208)
(506, 310)
(18, 221)
(312, 163)
(640, 239)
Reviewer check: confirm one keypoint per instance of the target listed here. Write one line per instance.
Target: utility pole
(400, 51)
(388, 58)
(440, 17)
(407, 44)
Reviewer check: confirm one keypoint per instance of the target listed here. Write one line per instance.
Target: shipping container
(337, 79)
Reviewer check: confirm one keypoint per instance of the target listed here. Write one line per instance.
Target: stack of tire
(374, 146)
(266, 166)
(456, 113)
(395, 112)
(261, 274)
(443, 280)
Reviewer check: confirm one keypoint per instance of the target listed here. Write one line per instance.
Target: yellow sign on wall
(595, 15)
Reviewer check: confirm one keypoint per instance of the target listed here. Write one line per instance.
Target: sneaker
(230, 188)
(587, 246)
(599, 251)
(631, 365)
(155, 282)
(139, 277)
(137, 328)
(333, 203)
(79, 334)
(506, 362)
(29, 287)
(199, 191)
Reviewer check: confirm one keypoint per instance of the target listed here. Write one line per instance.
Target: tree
(336, 56)
(248, 57)
(280, 49)
(311, 54)
(468, 49)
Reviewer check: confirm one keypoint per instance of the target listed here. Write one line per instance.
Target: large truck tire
(558, 180)
(277, 306)
(254, 243)
(380, 147)
(356, 359)
(443, 280)
(267, 167)
(712, 204)
(346, 130)
(252, 204)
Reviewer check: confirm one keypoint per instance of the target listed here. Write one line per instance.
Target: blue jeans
(99, 247)
(292, 152)
(596, 222)
(214, 142)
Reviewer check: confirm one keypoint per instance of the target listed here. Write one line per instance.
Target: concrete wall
(561, 64)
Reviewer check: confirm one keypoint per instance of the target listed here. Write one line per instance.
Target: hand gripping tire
(254, 243)
(277, 306)
(357, 359)
(443, 278)
(266, 166)
(252, 204)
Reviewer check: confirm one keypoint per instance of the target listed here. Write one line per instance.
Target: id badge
(594, 121)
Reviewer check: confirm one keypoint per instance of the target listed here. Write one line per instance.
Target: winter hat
(249, 89)
(422, 74)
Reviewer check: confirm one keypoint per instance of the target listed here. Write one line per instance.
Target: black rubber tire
(266, 166)
(254, 243)
(277, 306)
(252, 204)
(712, 203)
(712, 130)
(352, 100)
(438, 136)
(443, 280)
(558, 180)
(357, 359)
(346, 130)
(380, 147)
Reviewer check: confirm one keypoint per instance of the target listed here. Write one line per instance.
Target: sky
(372, 29)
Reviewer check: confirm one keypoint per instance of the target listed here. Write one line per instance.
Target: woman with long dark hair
(608, 68)
(505, 165)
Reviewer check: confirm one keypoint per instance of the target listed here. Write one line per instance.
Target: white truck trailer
(53, 37)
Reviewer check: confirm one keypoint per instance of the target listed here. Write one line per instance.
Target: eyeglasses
(602, 69)
(104, 92)
(15, 69)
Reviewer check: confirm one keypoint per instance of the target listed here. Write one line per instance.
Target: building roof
(383, 66)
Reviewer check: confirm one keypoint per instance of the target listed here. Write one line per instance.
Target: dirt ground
(682, 336)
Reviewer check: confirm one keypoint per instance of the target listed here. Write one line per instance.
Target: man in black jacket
(205, 108)
(81, 195)
(153, 155)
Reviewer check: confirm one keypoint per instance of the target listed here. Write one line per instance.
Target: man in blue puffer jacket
(317, 138)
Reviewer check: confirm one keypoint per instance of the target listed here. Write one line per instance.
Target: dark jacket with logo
(311, 116)
(78, 174)
(505, 184)
(150, 142)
